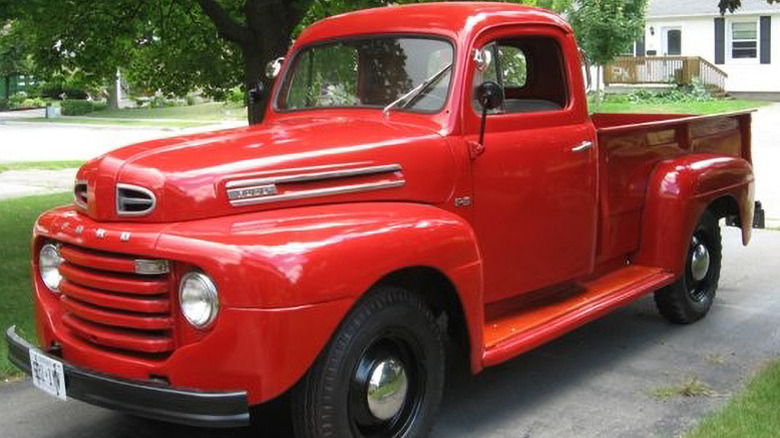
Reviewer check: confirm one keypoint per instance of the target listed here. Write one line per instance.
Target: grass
(689, 107)
(690, 387)
(754, 413)
(40, 165)
(16, 220)
(215, 111)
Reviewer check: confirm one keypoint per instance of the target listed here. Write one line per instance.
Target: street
(597, 381)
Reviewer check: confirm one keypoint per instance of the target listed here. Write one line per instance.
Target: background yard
(16, 220)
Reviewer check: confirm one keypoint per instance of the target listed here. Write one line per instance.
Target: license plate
(48, 375)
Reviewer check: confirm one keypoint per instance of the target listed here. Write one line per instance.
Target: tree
(14, 56)
(606, 28)
(176, 45)
(733, 5)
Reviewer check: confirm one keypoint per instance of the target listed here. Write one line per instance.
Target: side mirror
(256, 92)
(273, 68)
(490, 95)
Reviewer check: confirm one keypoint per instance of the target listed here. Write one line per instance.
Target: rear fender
(679, 191)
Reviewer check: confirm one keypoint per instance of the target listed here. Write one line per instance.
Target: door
(672, 41)
(535, 184)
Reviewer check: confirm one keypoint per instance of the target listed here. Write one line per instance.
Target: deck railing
(680, 70)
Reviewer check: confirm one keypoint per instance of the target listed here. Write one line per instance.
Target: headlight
(198, 299)
(49, 261)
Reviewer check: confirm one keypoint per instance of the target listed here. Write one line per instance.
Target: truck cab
(424, 172)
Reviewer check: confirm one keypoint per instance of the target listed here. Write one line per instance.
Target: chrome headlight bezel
(198, 289)
(49, 261)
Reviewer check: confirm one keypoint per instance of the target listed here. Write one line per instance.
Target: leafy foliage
(74, 107)
(606, 28)
(733, 5)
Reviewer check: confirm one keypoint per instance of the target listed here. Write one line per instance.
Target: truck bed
(632, 145)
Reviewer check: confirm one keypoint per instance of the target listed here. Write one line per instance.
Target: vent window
(80, 193)
(134, 200)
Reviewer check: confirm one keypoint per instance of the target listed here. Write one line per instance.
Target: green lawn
(755, 413)
(16, 221)
(692, 107)
(215, 111)
(40, 165)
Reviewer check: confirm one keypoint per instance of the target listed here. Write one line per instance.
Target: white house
(745, 44)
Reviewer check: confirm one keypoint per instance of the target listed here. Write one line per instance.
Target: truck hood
(292, 162)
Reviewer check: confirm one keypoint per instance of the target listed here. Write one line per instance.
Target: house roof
(665, 8)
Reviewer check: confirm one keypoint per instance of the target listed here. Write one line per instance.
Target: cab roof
(452, 19)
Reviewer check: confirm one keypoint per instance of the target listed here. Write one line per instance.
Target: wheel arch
(679, 191)
(441, 296)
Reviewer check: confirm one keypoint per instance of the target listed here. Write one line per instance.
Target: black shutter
(640, 47)
(720, 40)
(766, 40)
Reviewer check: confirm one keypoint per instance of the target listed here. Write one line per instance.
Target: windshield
(371, 72)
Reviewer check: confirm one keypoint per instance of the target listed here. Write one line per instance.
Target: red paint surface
(551, 239)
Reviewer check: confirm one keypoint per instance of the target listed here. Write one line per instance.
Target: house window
(744, 40)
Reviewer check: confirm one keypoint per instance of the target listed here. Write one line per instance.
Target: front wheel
(381, 376)
(689, 299)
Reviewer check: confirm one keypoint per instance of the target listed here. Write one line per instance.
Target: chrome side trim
(76, 200)
(314, 176)
(140, 189)
(319, 192)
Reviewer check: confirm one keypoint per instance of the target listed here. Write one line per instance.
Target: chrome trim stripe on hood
(264, 190)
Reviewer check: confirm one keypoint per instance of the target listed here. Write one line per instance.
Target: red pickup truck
(424, 173)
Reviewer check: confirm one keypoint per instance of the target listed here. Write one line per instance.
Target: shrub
(4, 104)
(75, 107)
(236, 96)
(17, 99)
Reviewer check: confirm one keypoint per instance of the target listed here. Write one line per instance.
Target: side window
(531, 72)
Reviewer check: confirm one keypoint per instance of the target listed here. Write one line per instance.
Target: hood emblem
(252, 191)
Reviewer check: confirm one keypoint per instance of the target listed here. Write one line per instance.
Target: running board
(526, 328)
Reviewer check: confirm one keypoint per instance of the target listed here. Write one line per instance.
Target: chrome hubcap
(387, 389)
(700, 260)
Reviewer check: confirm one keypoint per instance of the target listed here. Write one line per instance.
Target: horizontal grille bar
(117, 338)
(96, 260)
(114, 301)
(124, 320)
(115, 283)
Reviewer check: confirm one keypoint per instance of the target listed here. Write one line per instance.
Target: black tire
(388, 325)
(689, 299)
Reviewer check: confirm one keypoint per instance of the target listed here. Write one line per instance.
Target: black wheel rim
(399, 345)
(699, 286)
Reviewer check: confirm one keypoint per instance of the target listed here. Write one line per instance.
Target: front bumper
(206, 409)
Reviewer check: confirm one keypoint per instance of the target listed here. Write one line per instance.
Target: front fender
(679, 191)
(283, 260)
(309, 255)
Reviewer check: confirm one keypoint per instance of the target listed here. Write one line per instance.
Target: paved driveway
(594, 382)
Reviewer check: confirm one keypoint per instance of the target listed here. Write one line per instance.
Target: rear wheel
(382, 375)
(690, 298)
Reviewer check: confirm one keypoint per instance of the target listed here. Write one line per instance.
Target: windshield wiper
(418, 89)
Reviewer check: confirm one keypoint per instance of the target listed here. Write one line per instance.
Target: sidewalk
(16, 183)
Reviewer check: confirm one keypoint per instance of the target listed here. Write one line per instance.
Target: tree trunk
(7, 86)
(254, 60)
(114, 92)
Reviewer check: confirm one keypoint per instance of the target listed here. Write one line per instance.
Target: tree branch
(226, 26)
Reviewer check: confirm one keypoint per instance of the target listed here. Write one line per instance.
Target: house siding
(698, 39)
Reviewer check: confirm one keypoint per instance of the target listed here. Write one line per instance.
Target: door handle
(583, 147)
